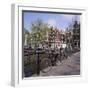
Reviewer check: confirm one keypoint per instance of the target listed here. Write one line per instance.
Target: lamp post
(37, 52)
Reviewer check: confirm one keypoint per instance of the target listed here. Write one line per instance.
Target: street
(69, 66)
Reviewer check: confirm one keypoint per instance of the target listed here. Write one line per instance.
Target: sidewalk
(70, 66)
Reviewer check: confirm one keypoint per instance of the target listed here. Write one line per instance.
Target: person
(69, 50)
(61, 51)
(56, 55)
(66, 52)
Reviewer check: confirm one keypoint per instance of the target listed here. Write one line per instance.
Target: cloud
(52, 22)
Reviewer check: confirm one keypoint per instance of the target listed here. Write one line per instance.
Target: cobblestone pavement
(70, 66)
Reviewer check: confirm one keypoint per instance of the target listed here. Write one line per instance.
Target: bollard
(38, 62)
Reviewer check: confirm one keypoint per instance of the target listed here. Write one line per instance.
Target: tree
(73, 34)
(76, 34)
(38, 32)
(26, 34)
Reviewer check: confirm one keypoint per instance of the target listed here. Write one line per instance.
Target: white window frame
(16, 63)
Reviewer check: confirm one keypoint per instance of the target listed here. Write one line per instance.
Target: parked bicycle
(51, 59)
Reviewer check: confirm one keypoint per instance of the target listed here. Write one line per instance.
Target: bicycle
(52, 59)
(45, 63)
(49, 61)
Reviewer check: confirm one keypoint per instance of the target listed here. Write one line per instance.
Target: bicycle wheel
(45, 65)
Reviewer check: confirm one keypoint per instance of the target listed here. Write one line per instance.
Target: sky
(59, 20)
